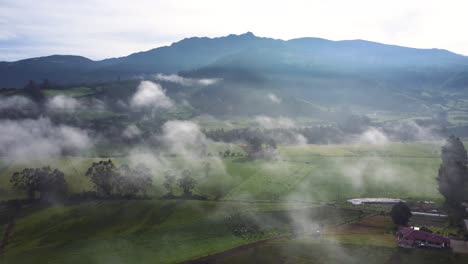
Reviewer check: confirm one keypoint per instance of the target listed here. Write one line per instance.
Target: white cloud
(17, 103)
(291, 137)
(131, 131)
(36, 139)
(372, 136)
(186, 81)
(150, 95)
(270, 122)
(63, 103)
(274, 98)
(184, 138)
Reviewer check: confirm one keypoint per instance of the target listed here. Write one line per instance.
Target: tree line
(340, 132)
(49, 185)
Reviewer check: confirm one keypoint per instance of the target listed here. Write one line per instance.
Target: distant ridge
(301, 56)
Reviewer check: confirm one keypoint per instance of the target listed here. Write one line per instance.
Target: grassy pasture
(276, 193)
(144, 231)
(365, 241)
(314, 251)
(73, 92)
(302, 173)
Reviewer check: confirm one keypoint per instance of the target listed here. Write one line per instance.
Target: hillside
(255, 56)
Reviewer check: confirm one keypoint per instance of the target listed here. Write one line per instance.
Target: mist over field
(213, 144)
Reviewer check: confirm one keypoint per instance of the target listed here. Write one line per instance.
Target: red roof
(411, 234)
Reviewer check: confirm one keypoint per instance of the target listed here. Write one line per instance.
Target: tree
(123, 180)
(52, 185)
(144, 177)
(27, 181)
(129, 182)
(45, 84)
(49, 184)
(169, 181)
(453, 177)
(104, 175)
(187, 183)
(34, 92)
(254, 145)
(207, 168)
(400, 214)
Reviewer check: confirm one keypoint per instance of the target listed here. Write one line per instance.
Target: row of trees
(43, 183)
(122, 180)
(341, 132)
(108, 179)
(186, 183)
(256, 142)
(35, 90)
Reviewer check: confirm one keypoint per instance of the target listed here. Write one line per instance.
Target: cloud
(186, 141)
(274, 98)
(184, 138)
(270, 123)
(186, 81)
(87, 27)
(289, 136)
(372, 136)
(36, 139)
(396, 132)
(17, 104)
(150, 95)
(131, 131)
(63, 103)
(14, 102)
(410, 130)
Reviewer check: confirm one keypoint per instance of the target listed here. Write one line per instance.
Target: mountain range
(251, 56)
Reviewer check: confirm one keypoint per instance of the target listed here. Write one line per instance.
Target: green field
(304, 173)
(322, 251)
(73, 92)
(278, 196)
(368, 240)
(149, 231)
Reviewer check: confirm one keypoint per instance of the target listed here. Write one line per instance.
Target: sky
(100, 29)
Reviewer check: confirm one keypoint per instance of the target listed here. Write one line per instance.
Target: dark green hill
(250, 57)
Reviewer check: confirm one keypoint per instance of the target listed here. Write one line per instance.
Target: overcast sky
(110, 28)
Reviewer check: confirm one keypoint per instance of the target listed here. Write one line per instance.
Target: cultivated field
(153, 231)
(366, 241)
(259, 200)
(302, 173)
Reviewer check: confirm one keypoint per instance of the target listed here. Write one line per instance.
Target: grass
(275, 194)
(140, 231)
(367, 241)
(303, 173)
(372, 231)
(73, 92)
(319, 251)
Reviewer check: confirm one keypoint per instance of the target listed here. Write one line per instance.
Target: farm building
(359, 201)
(410, 238)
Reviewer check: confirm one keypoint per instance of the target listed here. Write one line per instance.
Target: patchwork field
(366, 241)
(258, 200)
(153, 231)
(301, 173)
